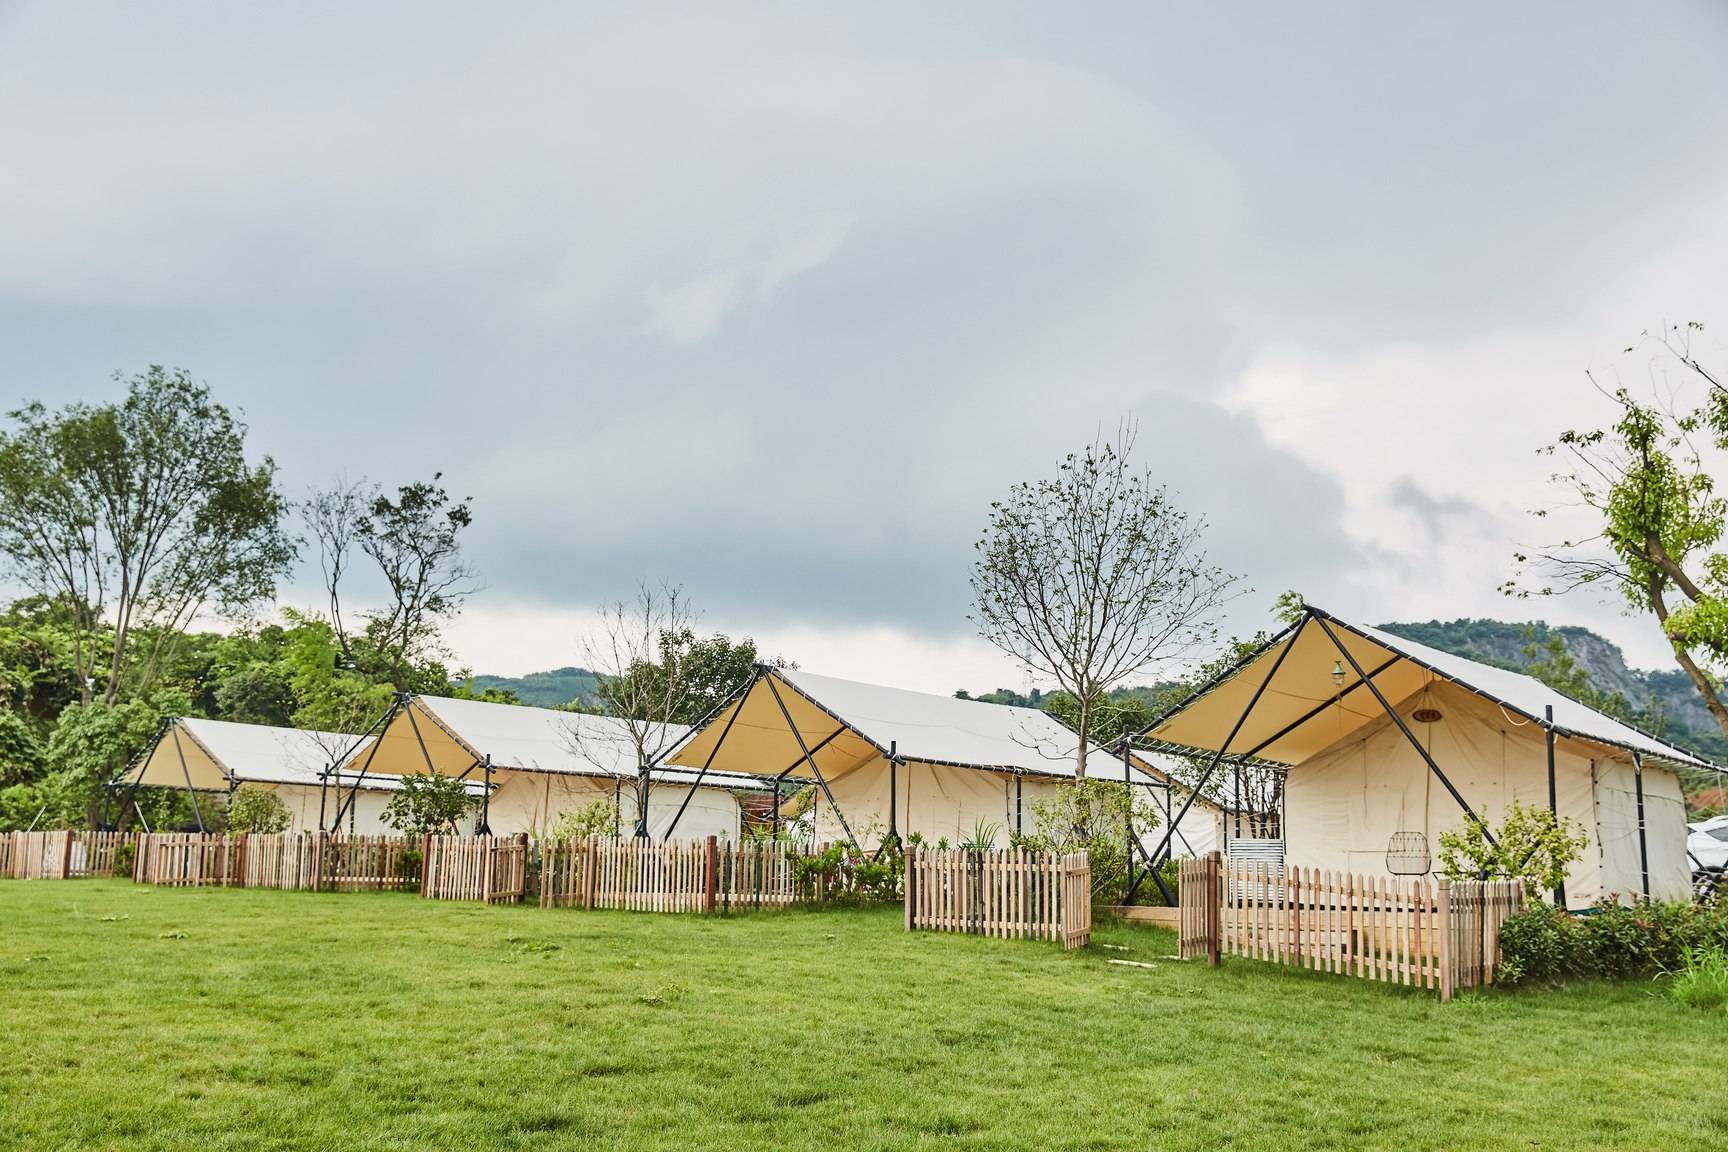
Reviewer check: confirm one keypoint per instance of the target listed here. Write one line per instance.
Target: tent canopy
(451, 737)
(214, 755)
(1299, 695)
(845, 724)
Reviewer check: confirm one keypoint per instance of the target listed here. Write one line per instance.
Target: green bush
(125, 854)
(1547, 945)
(259, 810)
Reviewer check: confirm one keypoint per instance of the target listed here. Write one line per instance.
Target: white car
(1707, 842)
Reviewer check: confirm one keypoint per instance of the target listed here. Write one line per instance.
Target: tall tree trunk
(1700, 681)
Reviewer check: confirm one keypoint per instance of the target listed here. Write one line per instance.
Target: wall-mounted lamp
(1338, 673)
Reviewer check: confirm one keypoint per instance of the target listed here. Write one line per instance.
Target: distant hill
(552, 689)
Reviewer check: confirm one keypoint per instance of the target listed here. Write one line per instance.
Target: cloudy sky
(773, 301)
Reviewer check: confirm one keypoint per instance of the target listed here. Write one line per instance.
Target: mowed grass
(145, 1018)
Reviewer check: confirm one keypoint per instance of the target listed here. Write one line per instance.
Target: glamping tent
(541, 763)
(886, 761)
(217, 756)
(1388, 743)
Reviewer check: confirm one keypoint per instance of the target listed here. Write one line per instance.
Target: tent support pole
(1643, 848)
(893, 789)
(197, 812)
(1019, 802)
(810, 759)
(354, 792)
(774, 820)
(1553, 793)
(1313, 712)
(486, 798)
(1392, 713)
(1164, 844)
(712, 752)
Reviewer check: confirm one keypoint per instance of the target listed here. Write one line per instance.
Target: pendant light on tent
(1338, 673)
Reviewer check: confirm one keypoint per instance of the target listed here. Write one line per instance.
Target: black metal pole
(486, 798)
(1553, 794)
(893, 790)
(197, 812)
(1295, 634)
(1019, 803)
(354, 792)
(1643, 849)
(811, 760)
(1392, 713)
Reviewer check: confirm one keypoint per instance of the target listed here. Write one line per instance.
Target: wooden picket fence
(489, 868)
(1007, 893)
(62, 854)
(688, 876)
(1416, 931)
(314, 862)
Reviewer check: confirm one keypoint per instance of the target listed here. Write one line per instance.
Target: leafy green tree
(140, 513)
(257, 810)
(1095, 576)
(90, 746)
(1533, 845)
(1657, 519)
(428, 804)
(21, 758)
(1090, 816)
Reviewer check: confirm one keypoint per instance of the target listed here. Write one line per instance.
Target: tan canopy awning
(1304, 692)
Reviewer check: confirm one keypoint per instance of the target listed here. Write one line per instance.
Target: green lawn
(145, 1018)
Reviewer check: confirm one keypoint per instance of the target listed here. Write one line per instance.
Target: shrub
(427, 804)
(842, 874)
(1531, 844)
(599, 818)
(125, 855)
(1701, 980)
(1091, 816)
(257, 810)
(1546, 945)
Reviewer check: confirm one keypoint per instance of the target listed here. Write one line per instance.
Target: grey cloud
(775, 306)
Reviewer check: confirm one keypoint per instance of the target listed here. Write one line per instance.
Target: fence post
(710, 872)
(66, 856)
(1212, 910)
(910, 863)
(1443, 914)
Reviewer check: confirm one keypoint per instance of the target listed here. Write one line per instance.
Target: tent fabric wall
(1343, 805)
(533, 802)
(365, 818)
(942, 801)
(1664, 831)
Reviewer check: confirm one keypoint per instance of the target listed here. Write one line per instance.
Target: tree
(142, 512)
(428, 805)
(414, 540)
(1657, 519)
(1531, 844)
(1095, 576)
(655, 676)
(259, 810)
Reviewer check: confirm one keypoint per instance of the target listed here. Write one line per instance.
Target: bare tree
(334, 517)
(641, 653)
(1095, 576)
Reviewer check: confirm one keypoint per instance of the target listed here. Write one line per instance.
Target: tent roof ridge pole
(817, 747)
(1289, 631)
(1408, 735)
(811, 759)
(1295, 633)
(410, 699)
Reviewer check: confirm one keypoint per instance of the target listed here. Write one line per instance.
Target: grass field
(154, 1018)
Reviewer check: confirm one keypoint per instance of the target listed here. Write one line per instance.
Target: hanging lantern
(1338, 673)
(1407, 854)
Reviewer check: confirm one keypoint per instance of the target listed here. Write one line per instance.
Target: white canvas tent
(887, 761)
(1381, 735)
(217, 756)
(542, 763)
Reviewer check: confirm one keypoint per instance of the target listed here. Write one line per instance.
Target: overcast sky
(773, 301)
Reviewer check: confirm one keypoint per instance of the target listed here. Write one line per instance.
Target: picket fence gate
(62, 854)
(1009, 893)
(687, 876)
(311, 861)
(1420, 932)
(489, 868)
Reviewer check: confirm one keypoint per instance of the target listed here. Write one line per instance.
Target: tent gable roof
(1308, 706)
